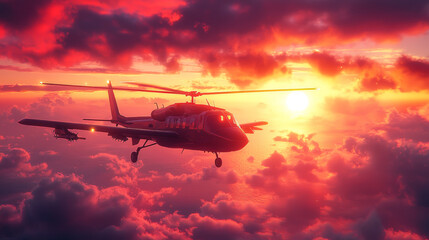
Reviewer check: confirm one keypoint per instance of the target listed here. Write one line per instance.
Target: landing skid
(135, 155)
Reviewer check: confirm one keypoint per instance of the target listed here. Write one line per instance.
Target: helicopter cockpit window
(222, 120)
(218, 121)
(231, 119)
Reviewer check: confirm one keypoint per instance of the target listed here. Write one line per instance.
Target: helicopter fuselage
(199, 127)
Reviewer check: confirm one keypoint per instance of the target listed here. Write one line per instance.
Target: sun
(297, 101)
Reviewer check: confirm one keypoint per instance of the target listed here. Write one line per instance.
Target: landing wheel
(218, 162)
(134, 156)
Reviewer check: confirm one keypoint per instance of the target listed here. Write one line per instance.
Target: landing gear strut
(135, 155)
(218, 161)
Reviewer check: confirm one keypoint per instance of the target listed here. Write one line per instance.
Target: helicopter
(181, 125)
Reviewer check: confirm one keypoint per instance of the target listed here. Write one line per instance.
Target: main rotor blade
(256, 91)
(114, 88)
(157, 87)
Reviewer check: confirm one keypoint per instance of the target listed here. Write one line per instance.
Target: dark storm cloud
(371, 227)
(21, 14)
(200, 28)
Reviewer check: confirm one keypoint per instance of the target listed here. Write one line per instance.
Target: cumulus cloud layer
(370, 187)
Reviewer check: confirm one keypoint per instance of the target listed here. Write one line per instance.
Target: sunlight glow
(297, 101)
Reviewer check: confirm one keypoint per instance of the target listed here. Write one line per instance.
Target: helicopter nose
(237, 137)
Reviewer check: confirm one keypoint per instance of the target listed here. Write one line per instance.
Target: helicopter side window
(194, 123)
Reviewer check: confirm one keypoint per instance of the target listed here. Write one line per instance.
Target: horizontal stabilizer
(251, 127)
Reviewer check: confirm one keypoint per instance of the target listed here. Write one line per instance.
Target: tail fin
(116, 116)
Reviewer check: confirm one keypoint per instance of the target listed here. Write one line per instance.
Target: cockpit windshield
(221, 120)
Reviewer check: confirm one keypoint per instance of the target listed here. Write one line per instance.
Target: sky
(352, 165)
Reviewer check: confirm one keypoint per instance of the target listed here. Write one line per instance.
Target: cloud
(17, 160)
(408, 126)
(17, 17)
(269, 178)
(209, 228)
(9, 219)
(371, 228)
(367, 181)
(115, 170)
(413, 73)
(324, 63)
(155, 200)
(18, 174)
(247, 68)
(208, 173)
(44, 107)
(383, 174)
(343, 111)
(111, 34)
(368, 188)
(65, 206)
(372, 75)
(302, 143)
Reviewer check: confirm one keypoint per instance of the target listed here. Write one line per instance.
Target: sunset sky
(353, 164)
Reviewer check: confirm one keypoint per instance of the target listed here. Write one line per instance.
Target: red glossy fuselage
(210, 129)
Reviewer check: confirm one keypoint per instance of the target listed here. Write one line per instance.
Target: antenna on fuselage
(156, 105)
(208, 102)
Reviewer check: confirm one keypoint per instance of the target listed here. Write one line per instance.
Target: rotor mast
(193, 94)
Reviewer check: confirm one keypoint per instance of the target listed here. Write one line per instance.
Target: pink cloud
(355, 190)
(17, 162)
(406, 126)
